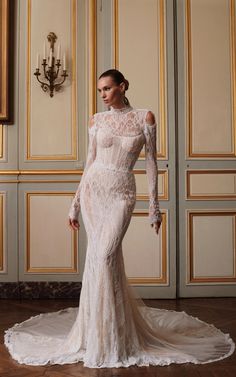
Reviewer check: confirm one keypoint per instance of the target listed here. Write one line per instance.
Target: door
(136, 37)
(206, 148)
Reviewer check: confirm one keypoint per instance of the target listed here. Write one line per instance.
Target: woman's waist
(112, 167)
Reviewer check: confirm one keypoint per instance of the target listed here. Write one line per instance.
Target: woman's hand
(157, 226)
(74, 224)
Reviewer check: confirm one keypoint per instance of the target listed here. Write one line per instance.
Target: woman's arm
(91, 155)
(152, 170)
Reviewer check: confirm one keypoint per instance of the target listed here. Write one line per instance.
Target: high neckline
(122, 110)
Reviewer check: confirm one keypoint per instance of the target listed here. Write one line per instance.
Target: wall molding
(1, 232)
(162, 153)
(191, 278)
(92, 57)
(48, 270)
(163, 279)
(73, 155)
(210, 196)
(189, 117)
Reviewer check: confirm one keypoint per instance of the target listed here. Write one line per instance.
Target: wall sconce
(51, 73)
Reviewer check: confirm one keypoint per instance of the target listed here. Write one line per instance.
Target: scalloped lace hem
(142, 358)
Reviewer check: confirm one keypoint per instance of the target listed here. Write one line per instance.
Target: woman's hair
(118, 78)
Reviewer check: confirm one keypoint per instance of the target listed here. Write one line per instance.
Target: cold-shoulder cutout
(91, 121)
(150, 118)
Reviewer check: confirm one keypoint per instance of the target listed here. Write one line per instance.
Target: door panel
(141, 41)
(206, 148)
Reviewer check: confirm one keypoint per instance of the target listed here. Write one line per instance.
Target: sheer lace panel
(122, 134)
(152, 172)
(121, 123)
(91, 155)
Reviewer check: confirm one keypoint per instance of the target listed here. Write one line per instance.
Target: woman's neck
(123, 109)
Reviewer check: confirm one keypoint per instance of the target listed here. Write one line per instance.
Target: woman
(112, 328)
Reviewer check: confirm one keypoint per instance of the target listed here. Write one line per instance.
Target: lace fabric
(91, 155)
(112, 327)
(126, 131)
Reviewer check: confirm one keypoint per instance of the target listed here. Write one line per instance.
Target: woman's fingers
(157, 226)
(74, 224)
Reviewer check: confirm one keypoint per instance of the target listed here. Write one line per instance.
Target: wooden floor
(221, 312)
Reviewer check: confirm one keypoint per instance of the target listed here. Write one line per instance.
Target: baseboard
(40, 290)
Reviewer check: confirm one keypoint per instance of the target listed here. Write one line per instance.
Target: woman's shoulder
(99, 115)
(95, 120)
(146, 116)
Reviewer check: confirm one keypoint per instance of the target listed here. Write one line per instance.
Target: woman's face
(111, 93)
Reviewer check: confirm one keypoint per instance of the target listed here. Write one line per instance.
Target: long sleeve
(91, 155)
(152, 172)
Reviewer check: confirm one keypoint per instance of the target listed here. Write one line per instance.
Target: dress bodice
(120, 137)
(116, 138)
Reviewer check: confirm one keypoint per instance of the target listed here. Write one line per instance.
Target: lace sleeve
(92, 147)
(152, 172)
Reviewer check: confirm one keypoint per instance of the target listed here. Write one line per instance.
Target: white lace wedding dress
(111, 328)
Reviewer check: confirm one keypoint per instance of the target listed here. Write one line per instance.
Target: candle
(58, 51)
(64, 62)
(37, 61)
(44, 50)
(50, 58)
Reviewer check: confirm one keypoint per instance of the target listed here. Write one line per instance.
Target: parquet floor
(219, 311)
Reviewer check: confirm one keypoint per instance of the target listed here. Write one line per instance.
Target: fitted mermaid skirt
(111, 327)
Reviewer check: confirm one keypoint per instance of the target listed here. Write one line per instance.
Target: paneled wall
(43, 153)
(140, 51)
(179, 58)
(207, 149)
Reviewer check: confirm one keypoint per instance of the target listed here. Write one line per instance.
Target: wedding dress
(111, 327)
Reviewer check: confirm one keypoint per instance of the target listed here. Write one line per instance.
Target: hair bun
(126, 84)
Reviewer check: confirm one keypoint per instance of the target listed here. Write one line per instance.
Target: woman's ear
(122, 87)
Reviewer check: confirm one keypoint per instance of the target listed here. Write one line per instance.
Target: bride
(112, 328)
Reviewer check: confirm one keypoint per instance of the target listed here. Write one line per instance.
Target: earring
(126, 101)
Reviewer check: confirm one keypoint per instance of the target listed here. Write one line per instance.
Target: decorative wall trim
(165, 180)
(116, 35)
(163, 279)
(49, 270)
(41, 172)
(162, 66)
(92, 57)
(40, 181)
(1, 233)
(233, 68)
(72, 156)
(220, 196)
(1, 141)
(4, 64)
(188, 42)
(40, 290)
(190, 248)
